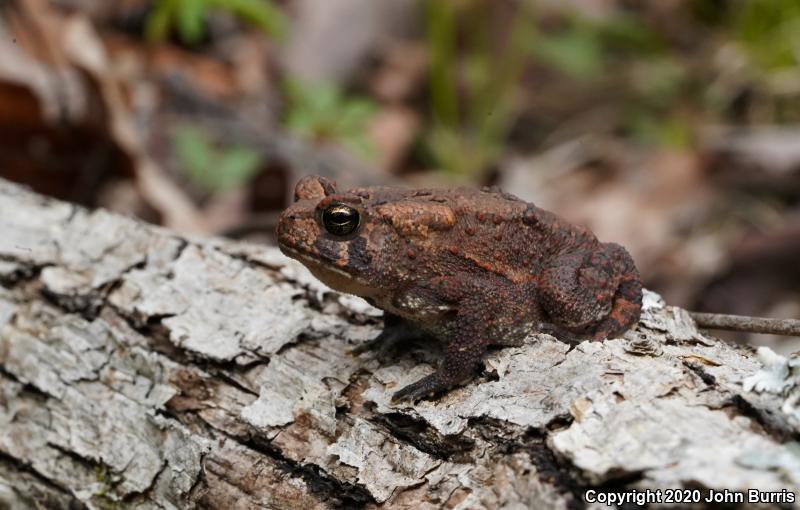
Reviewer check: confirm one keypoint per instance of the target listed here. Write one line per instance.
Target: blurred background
(671, 127)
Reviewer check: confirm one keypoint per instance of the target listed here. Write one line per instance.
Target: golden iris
(340, 219)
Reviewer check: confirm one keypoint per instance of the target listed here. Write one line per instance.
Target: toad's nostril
(292, 217)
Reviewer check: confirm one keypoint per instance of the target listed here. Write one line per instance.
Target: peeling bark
(140, 369)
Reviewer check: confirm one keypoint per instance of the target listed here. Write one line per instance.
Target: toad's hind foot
(624, 313)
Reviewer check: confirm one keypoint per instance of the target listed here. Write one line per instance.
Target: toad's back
(481, 230)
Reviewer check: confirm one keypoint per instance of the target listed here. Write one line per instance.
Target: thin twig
(789, 327)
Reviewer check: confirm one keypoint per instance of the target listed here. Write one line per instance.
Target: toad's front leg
(465, 349)
(459, 364)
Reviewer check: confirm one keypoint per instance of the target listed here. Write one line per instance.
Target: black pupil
(340, 219)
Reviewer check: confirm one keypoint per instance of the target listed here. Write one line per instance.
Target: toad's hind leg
(627, 306)
(597, 295)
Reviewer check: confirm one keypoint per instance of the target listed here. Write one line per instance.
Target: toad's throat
(332, 276)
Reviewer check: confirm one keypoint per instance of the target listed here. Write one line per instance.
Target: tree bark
(142, 369)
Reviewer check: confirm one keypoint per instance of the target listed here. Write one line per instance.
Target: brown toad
(473, 268)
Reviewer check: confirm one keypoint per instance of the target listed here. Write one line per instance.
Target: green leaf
(576, 52)
(235, 167)
(660, 79)
(651, 129)
(265, 15)
(158, 23)
(355, 114)
(322, 99)
(191, 16)
(626, 33)
(193, 151)
(770, 31)
(188, 17)
(213, 169)
(321, 111)
(360, 145)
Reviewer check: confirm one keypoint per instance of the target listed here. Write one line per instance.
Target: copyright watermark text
(687, 496)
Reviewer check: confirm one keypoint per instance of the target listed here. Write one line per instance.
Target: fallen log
(143, 369)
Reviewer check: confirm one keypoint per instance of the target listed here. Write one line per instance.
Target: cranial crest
(415, 218)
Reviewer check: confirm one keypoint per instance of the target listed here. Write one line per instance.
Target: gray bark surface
(141, 369)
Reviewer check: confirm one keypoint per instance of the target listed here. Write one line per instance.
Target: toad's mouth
(334, 277)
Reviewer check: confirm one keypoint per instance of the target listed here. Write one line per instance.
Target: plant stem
(790, 327)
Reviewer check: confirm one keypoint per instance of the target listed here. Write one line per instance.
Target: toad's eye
(340, 219)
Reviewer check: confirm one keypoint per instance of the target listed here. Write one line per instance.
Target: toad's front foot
(427, 386)
(396, 332)
(449, 375)
(384, 345)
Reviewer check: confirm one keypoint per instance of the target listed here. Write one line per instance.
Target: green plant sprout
(321, 112)
(467, 132)
(770, 32)
(621, 57)
(213, 168)
(473, 81)
(187, 17)
(585, 48)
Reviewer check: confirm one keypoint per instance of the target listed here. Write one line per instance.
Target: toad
(470, 267)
